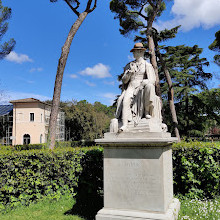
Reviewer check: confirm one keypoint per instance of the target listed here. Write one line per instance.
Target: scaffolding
(7, 122)
(6, 125)
(60, 127)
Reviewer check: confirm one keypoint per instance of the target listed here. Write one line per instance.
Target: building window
(41, 139)
(26, 139)
(31, 116)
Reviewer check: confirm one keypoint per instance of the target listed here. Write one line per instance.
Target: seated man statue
(138, 99)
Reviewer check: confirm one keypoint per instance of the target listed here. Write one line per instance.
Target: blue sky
(98, 52)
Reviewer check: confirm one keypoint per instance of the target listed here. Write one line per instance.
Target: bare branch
(142, 7)
(88, 5)
(92, 9)
(135, 12)
(72, 8)
(78, 3)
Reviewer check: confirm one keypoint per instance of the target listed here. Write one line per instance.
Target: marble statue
(138, 100)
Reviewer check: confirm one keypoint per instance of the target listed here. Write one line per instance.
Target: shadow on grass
(89, 197)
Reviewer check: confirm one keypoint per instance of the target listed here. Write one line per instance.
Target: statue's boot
(124, 127)
(147, 116)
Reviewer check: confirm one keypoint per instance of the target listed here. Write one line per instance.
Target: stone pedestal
(138, 179)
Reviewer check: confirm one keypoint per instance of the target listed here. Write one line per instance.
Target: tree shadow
(89, 197)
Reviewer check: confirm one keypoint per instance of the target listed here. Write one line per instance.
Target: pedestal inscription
(133, 178)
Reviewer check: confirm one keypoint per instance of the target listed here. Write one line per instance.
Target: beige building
(31, 122)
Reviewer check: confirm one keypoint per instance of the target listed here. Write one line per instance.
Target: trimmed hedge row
(60, 144)
(196, 170)
(28, 175)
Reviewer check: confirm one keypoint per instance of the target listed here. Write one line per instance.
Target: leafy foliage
(196, 169)
(132, 13)
(86, 121)
(6, 47)
(195, 209)
(89, 193)
(215, 46)
(29, 175)
(186, 68)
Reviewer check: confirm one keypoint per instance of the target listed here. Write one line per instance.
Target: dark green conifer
(215, 46)
(6, 47)
(188, 77)
(140, 15)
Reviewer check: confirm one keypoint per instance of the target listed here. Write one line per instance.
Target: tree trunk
(59, 78)
(151, 46)
(153, 61)
(170, 96)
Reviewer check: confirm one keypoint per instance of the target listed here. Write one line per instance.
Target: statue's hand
(133, 67)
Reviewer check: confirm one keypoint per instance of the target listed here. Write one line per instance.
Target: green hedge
(28, 175)
(196, 169)
(60, 144)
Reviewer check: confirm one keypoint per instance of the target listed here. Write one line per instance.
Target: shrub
(196, 169)
(28, 175)
(82, 143)
(29, 147)
(60, 144)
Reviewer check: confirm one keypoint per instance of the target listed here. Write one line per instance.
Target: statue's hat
(138, 46)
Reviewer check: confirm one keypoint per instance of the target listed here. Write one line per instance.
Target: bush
(196, 169)
(29, 147)
(82, 143)
(60, 144)
(28, 175)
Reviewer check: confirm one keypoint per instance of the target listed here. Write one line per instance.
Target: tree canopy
(189, 78)
(86, 121)
(215, 46)
(7, 46)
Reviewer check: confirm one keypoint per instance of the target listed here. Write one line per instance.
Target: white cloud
(10, 95)
(38, 69)
(110, 96)
(90, 83)
(192, 14)
(98, 71)
(18, 58)
(73, 76)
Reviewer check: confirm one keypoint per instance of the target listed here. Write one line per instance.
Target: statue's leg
(126, 109)
(149, 100)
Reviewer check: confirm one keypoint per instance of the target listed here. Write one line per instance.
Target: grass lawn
(196, 209)
(43, 210)
(52, 210)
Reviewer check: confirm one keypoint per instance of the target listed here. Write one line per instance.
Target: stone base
(138, 176)
(118, 214)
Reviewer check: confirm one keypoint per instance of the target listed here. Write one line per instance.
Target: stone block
(138, 178)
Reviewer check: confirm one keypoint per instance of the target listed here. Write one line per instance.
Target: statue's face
(138, 53)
